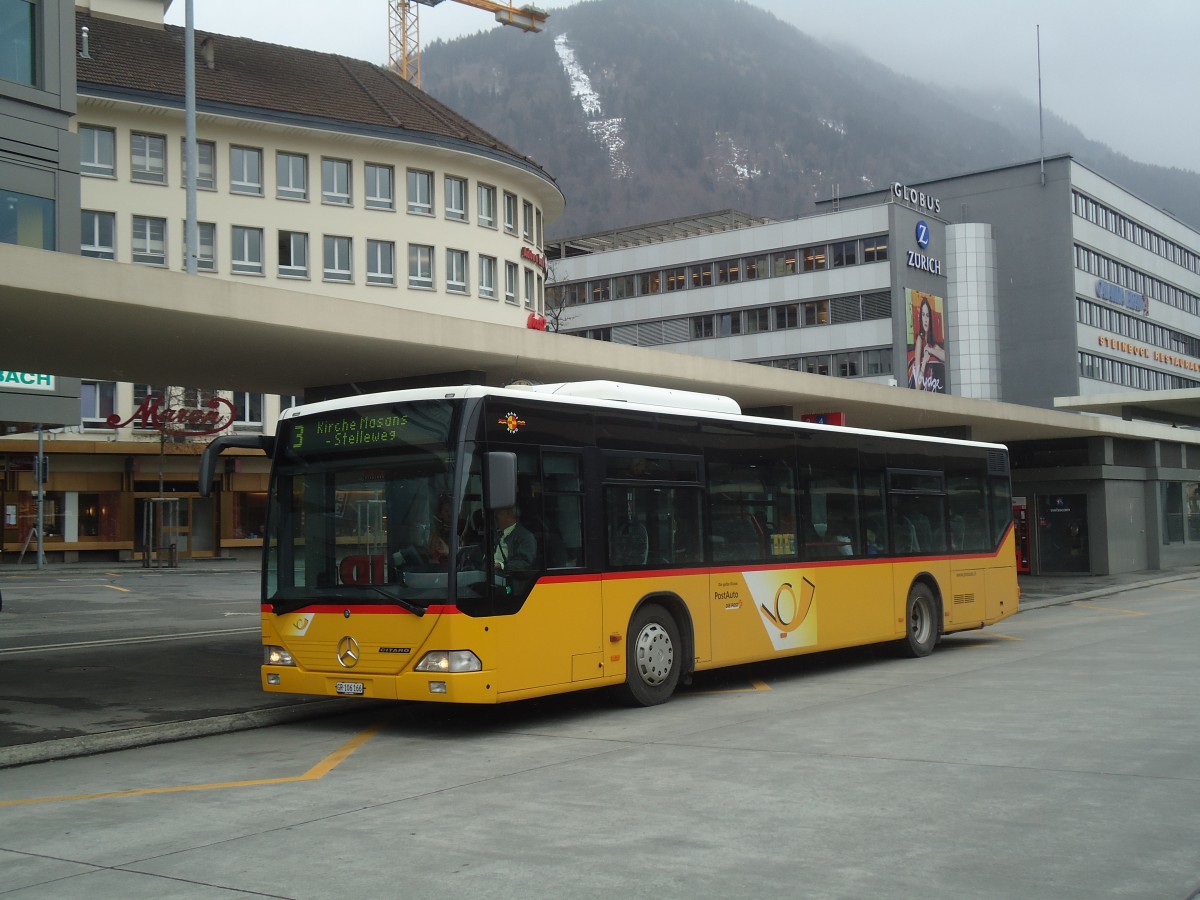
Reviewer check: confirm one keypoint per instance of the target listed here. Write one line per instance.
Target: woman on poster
(927, 366)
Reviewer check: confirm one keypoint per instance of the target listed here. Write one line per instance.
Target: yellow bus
(480, 545)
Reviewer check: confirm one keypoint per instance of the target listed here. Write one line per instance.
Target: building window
(702, 326)
(487, 277)
(757, 320)
(784, 263)
(337, 258)
(456, 198)
(97, 151)
(27, 220)
(787, 315)
(875, 249)
(149, 240)
(624, 286)
(816, 312)
(848, 365)
(729, 323)
(97, 401)
(97, 234)
(206, 246)
(335, 181)
(729, 271)
(420, 192)
(649, 283)
(527, 220)
(879, 362)
(756, 267)
(245, 171)
(676, 279)
(487, 206)
(18, 41)
(291, 176)
(248, 408)
(148, 157)
(845, 253)
(600, 290)
(420, 266)
(510, 282)
(510, 212)
(381, 263)
(529, 289)
(246, 250)
(293, 254)
(814, 258)
(206, 164)
(702, 275)
(381, 190)
(456, 271)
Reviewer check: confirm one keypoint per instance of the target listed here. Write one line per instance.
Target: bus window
(562, 535)
(628, 536)
(833, 513)
(751, 510)
(967, 505)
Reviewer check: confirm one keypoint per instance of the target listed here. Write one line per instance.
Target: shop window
(249, 514)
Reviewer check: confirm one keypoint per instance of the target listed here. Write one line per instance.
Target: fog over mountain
(647, 111)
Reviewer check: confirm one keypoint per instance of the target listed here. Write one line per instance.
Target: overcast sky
(1123, 72)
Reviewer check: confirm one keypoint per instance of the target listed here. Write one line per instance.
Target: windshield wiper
(283, 607)
(396, 598)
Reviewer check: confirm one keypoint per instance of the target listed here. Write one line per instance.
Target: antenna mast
(1041, 132)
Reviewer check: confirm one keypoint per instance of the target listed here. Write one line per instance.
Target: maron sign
(185, 421)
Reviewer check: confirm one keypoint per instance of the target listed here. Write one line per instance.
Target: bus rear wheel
(922, 628)
(652, 657)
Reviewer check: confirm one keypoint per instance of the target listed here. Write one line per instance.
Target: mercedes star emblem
(348, 652)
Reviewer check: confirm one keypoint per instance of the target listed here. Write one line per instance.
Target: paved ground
(104, 658)
(1052, 757)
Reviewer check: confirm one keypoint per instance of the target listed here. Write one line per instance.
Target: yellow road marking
(113, 587)
(316, 773)
(1127, 612)
(755, 685)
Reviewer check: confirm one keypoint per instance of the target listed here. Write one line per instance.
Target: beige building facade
(315, 173)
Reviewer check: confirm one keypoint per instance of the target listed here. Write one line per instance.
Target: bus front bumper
(457, 687)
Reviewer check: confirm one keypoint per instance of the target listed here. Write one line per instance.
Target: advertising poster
(926, 342)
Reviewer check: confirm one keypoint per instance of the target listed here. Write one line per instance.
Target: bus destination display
(349, 432)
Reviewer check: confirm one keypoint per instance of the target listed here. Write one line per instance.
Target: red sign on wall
(184, 421)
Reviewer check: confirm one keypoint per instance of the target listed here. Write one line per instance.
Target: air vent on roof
(639, 393)
(83, 44)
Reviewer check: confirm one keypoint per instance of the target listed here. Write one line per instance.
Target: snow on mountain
(608, 131)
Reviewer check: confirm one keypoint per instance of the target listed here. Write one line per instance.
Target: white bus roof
(607, 395)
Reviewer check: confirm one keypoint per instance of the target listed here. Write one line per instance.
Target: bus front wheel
(652, 657)
(922, 627)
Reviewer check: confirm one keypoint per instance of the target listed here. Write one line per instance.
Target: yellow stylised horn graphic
(790, 611)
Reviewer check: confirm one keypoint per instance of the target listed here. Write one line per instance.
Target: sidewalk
(61, 703)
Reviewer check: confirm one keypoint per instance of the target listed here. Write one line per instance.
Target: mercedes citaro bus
(479, 545)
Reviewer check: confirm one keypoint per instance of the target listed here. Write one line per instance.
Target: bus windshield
(361, 508)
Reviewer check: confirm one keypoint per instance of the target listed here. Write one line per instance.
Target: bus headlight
(277, 656)
(449, 661)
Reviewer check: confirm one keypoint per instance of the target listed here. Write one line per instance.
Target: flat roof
(1179, 408)
(654, 233)
(97, 319)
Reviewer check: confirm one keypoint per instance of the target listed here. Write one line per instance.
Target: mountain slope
(649, 109)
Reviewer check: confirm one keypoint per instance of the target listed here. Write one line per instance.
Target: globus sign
(152, 413)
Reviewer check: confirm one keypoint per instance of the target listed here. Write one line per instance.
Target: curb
(1100, 592)
(169, 732)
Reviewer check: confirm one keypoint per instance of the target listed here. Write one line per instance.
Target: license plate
(349, 687)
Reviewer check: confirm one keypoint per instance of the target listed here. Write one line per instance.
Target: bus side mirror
(208, 459)
(501, 471)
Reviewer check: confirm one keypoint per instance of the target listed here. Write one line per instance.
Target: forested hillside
(649, 109)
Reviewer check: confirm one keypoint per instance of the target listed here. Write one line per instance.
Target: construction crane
(404, 33)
